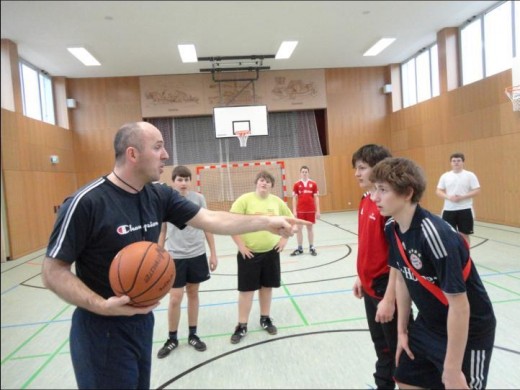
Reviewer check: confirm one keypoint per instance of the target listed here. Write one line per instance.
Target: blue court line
(10, 289)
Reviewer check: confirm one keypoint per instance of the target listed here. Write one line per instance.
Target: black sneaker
(313, 252)
(197, 343)
(239, 333)
(297, 252)
(267, 324)
(168, 346)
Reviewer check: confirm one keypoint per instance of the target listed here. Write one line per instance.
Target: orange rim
(515, 88)
(513, 93)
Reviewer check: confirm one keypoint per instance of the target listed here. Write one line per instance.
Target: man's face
(362, 173)
(152, 156)
(304, 173)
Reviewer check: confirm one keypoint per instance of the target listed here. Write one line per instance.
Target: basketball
(142, 270)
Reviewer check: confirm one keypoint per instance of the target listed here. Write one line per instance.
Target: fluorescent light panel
(188, 53)
(84, 56)
(286, 49)
(381, 45)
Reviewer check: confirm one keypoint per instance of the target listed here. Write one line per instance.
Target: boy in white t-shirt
(458, 187)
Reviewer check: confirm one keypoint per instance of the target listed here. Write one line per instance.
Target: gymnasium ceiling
(132, 38)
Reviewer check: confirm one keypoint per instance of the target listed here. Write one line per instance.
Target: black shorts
(263, 270)
(193, 270)
(429, 349)
(461, 220)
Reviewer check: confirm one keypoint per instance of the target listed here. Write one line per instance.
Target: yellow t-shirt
(252, 204)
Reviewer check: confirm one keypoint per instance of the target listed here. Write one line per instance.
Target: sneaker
(168, 346)
(313, 252)
(197, 343)
(239, 333)
(297, 252)
(267, 324)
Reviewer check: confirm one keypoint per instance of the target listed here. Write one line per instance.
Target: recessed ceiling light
(380, 45)
(188, 53)
(286, 49)
(84, 56)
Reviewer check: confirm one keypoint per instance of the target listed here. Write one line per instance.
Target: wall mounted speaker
(387, 88)
(71, 103)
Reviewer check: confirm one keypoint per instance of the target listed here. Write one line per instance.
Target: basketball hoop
(513, 93)
(243, 135)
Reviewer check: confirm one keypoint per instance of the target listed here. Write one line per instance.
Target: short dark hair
(265, 175)
(371, 154)
(304, 167)
(128, 135)
(181, 171)
(458, 155)
(403, 176)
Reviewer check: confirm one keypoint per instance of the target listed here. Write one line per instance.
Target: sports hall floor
(322, 342)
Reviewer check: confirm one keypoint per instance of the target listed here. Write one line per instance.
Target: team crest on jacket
(415, 260)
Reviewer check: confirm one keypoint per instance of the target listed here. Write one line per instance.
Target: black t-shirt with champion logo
(439, 254)
(100, 219)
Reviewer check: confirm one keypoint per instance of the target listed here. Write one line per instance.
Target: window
(471, 52)
(37, 95)
(487, 42)
(420, 76)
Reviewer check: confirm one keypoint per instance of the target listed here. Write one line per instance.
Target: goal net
(222, 184)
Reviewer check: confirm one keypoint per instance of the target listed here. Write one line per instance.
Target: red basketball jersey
(305, 193)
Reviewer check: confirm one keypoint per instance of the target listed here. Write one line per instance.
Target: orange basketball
(144, 271)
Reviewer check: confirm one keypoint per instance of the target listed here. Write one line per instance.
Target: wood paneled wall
(33, 186)
(103, 106)
(476, 119)
(358, 113)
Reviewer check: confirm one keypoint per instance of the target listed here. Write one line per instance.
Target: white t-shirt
(458, 184)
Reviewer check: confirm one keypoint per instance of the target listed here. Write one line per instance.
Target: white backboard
(229, 120)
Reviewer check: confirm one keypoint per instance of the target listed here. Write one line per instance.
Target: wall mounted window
(488, 42)
(37, 94)
(420, 76)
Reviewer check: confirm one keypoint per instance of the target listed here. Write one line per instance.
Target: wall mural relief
(164, 96)
(197, 94)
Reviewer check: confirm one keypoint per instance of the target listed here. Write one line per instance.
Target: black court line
(507, 349)
(295, 270)
(495, 228)
(200, 365)
(339, 227)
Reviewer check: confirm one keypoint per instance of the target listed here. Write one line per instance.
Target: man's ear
(131, 153)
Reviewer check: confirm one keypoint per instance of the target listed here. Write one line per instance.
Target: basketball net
(513, 93)
(243, 135)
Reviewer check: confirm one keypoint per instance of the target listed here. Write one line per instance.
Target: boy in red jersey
(375, 282)
(306, 206)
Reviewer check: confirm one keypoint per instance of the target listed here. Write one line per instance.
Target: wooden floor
(322, 342)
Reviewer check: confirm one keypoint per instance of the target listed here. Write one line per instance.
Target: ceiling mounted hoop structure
(242, 136)
(251, 64)
(513, 93)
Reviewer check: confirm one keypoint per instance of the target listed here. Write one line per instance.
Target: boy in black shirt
(450, 343)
